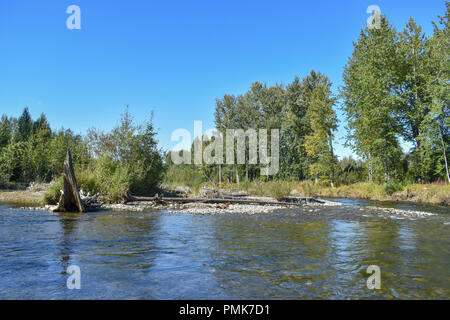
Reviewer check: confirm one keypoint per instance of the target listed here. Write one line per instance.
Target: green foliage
(53, 193)
(106, 163)
(183, 175)
(127, 158)
(4, 181)
(109, 178)
(6, 128)
(24, 126)
(350, 171)
(392, 187)
(395, 89)
(370, 103)
(322, 118)
(278, 190)
(89, 181)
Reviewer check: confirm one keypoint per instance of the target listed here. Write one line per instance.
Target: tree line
(127, 157)
(395, 91)
(31, 151)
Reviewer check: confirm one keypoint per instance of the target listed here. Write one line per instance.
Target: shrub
(278, 190)
(53, 193)
(88, 181)
(184, 175)
(3, 181)
(392, 187)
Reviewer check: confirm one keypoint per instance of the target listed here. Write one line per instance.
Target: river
(306, 253)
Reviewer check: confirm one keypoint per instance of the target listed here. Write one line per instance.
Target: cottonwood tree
(323, 122)
(414, 75)
(371, 104)
(437, 120)
(294, 129)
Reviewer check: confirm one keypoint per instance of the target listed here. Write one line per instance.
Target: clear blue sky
(173, 57)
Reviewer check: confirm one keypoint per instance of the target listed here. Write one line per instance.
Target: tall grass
(184, 176)
(22, 198)
(425, 193)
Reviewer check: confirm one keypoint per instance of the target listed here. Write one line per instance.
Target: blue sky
(173, 57)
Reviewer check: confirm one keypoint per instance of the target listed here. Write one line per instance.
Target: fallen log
(285, 202)
(300, 202)
(128, 197)
(70, 200)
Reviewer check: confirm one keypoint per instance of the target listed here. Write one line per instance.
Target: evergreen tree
(5, 131)
(24, 126)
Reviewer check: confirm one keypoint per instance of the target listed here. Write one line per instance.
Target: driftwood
(128, 197)
(284, 202)
(70, 200)
(91, 203)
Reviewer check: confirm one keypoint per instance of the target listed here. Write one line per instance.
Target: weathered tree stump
(70, 200)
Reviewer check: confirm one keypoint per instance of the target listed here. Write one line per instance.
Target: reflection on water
(316, 253)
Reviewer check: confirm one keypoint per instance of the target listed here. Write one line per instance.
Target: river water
(306, 253)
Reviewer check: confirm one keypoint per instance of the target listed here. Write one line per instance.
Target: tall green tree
(5, 131)
(323, 123)
(414, 76)
(223, 115)
(437, 121)
(371, 103)
(294, 129)
(24, 126)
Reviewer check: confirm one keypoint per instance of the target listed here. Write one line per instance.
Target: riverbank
(24, 200)
(417, 193)
(34, 200)
(22, 197)
(435, 194)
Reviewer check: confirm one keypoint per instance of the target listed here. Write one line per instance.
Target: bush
(392, 187)
(278, 190)
(53, 192)
(88, 181)
(112, 178)
(3, 181)
(184, 175)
